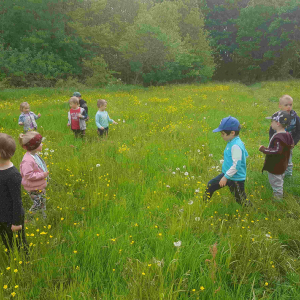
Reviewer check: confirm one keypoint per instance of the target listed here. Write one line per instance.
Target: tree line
(100, 42)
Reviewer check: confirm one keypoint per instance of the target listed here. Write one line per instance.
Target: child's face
(26, 109)
(74, 105)
(103, 106)
(286, 105)
(276, 125)
(226, 137)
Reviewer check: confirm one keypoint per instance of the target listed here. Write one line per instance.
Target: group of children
(284, 135)
(78, 115)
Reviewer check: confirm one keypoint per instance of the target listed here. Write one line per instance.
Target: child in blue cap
(234, 166)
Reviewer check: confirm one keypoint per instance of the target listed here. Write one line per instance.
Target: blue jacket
(235, 168)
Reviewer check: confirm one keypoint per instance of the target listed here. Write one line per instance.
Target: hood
(285, 138)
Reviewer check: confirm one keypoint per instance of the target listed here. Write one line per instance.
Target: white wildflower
(173, 173)
(97, 165)
(167, 186)
(123, 121)
(177, 244)
(221, 161)
(177, 169)
(197, 219)
(46, 153)
(197, 191)
(184, 167)
(210, 155)
(51, 150)
(190, 202)
(186, 173)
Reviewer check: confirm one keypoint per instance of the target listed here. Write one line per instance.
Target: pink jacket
(33, 177)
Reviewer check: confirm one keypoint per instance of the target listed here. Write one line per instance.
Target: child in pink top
(34, 171)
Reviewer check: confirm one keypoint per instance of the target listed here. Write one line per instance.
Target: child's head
(7, 146)
(101, 103)
(229, 128)
(280, 120)
(24, 107)
(74, 102)
(31, 141)
(286, 103)
(77, 94)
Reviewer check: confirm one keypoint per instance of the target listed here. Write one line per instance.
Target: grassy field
(126, 219)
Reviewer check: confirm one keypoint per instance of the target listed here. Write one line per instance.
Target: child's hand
(16, 227)
(223, 181)
(46, 174)
(260, 147)
(115, 122)
(21, 123)
(68, 124)
(39, 115)
(80, 116)
(101, 128)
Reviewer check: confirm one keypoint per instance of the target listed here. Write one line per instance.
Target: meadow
(126, 217)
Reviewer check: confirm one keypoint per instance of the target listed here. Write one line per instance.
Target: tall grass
(126, 218)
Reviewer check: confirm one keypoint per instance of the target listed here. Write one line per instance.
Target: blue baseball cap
(229, 123)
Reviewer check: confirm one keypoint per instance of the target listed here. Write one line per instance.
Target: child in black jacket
(11, 208)
(286, 104)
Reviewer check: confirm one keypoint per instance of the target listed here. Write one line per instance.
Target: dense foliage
(97, 42)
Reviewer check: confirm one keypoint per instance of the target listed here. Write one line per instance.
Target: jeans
(236, 188)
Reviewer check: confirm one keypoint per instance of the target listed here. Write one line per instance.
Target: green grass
(111, 228)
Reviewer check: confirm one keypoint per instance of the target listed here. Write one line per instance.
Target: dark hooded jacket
(293, 128)
(278, 153)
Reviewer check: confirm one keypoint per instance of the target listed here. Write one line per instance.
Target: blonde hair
(285, 97)
(24, 138)
(101, 102)
(74, 100)
(23, 105)
(7, 146)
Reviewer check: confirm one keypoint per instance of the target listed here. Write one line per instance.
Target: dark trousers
(103, 132)
(236, 188)
(8, 236)
(78, 132)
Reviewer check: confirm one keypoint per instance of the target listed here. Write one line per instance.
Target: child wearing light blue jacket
(27, 118)
(102, 118)
(234, 168)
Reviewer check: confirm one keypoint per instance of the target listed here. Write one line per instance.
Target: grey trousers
(276, 182)
(289, 170)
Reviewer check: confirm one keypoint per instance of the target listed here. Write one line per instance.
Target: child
(11, 212)
(102, 118)
(34, 171)
(82, 103)
(234, 166)
(286, 104)
(278, 152)
(27, 117)
(76, 117)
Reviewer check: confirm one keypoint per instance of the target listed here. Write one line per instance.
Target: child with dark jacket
(278, 152)
(83, 104)
(11, 208)
(286, 104)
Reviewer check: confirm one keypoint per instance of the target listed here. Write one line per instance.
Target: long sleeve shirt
(102, 119)
(11, 208)
(234, 165)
